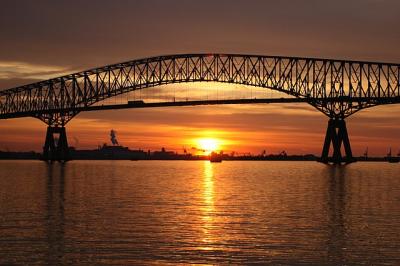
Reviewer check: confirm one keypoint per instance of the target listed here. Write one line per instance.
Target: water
(171, 212)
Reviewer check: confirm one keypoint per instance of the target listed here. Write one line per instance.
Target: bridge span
(337, 88)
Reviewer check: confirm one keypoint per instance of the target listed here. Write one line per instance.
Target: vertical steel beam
(56, 150)
(336, 136)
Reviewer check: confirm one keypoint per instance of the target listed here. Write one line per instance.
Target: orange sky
(246, 128)
(42, 43)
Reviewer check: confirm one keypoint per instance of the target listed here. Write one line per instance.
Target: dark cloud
(91, 33)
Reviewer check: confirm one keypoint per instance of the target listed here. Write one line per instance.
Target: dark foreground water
(170, 212)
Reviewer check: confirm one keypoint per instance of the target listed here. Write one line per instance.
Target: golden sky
(54, 38)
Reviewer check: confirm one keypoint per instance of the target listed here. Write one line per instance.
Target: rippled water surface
(170, 212)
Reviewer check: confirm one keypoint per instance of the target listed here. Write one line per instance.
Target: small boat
(394, 160)
(215, 158)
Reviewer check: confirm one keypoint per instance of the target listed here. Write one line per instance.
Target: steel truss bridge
(337, 88)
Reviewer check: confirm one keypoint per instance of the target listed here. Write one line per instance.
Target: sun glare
(209, 144)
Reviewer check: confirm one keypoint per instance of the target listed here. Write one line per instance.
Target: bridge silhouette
(337, 88)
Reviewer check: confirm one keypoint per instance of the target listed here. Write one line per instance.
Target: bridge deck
(142, 104)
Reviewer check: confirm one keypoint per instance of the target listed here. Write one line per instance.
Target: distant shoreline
(117, 152)
(37, 156)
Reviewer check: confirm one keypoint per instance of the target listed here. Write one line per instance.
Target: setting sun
(209, 144)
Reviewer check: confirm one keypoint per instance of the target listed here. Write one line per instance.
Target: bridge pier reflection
(56, 149)
(55, 216)
(337, 136)
(337, 201)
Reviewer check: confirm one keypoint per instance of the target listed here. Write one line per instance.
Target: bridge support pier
(336, 135)
(56, 149)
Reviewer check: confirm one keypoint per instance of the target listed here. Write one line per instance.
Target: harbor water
(181, 212)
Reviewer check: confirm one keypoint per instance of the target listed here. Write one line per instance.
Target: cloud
(23, 71)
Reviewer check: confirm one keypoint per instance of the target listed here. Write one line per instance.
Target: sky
(44, 39)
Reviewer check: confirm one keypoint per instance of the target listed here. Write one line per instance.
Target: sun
(208, 144)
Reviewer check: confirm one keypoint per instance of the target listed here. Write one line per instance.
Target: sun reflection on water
(208, 207)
